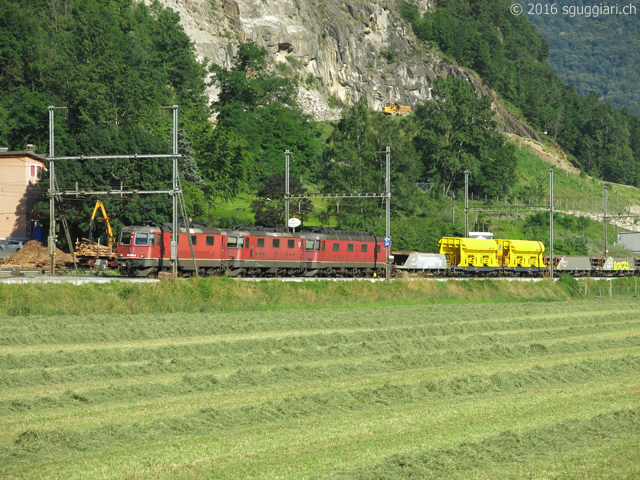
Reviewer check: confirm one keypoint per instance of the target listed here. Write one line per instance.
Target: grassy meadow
(347, 380)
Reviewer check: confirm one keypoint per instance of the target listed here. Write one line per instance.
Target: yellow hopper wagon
(472, 256)
(521, 257)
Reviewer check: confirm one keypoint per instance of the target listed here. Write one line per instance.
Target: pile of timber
(89, 248)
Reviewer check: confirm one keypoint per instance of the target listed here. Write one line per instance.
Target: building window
(35, 170)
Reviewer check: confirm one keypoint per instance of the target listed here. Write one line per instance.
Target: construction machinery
(90, 252)
(392, 108)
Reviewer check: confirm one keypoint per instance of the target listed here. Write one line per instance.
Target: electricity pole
(176, 188)
(52, 193)
(551, 222)
(388, 206)
(605, 221)
(286, 190)
(466, 204)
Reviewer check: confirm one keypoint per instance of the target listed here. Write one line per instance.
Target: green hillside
(511, 57)
(596, 51)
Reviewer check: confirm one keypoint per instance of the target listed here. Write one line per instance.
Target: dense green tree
(112, 64)
(511, 56)
(455, 133)
(599, 53)
(354, 162)
(223, 161)
(261, 107)
(269, 206)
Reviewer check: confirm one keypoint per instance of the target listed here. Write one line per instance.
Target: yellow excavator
(105, 217)
(91, 252)
(392, 108)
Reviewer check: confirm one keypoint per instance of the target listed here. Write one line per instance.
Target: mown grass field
(460, 390)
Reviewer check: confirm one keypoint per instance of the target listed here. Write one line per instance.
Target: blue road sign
(387, 241)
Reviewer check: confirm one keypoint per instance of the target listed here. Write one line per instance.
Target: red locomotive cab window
(363, 248)
(350, 247)
(125, 238)
(152, 239)
(246, 243)
(260, 242)
(317, 245)
(142, 239)
(336, 247)
(310, 245)
(291, 243)
(323, 244)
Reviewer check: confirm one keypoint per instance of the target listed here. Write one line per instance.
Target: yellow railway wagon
(470, 254)
(521, 255)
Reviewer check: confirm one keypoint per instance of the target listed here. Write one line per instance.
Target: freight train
(145, 251)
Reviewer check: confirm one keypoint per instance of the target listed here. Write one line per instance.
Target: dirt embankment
(35, 255)
(553, 155)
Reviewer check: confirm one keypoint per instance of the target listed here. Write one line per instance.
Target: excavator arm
(100, 207)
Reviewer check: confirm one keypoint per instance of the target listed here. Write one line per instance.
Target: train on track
(144, 251)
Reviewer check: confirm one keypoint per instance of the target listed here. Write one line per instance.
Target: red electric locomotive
(146, 250)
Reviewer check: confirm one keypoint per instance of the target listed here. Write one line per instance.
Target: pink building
(18, 190)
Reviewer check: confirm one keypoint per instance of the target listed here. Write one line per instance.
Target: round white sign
(294, 222)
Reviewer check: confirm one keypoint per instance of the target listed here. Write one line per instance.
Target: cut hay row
(361, 317)
(490, 360)
(408, 323)
(510, 451)
(298, 348)
(315, 393)
(210, 419)
(370, 360)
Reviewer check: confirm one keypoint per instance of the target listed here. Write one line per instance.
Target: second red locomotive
(146, 251)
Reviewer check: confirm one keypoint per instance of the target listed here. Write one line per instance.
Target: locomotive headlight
(141, 256)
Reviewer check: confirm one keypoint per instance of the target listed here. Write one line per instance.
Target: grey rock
(348, 51)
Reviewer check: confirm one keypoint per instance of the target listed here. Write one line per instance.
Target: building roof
(23, 153)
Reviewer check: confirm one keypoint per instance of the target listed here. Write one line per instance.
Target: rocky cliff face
(341, 52)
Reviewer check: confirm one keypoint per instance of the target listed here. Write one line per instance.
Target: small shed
(631, 240)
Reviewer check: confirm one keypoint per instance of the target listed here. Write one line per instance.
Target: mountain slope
(598, 52)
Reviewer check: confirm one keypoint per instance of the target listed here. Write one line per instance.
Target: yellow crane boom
(100, 207)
